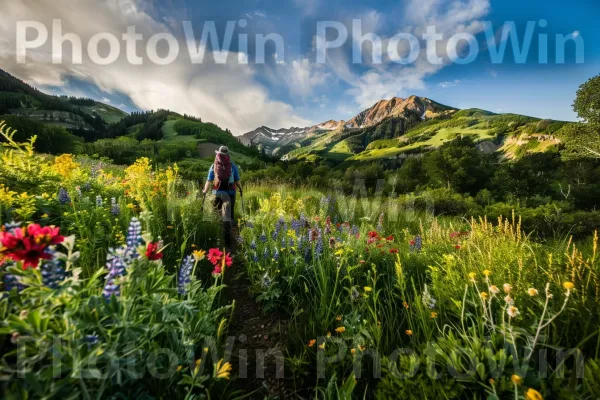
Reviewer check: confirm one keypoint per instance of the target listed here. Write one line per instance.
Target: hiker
(224, 177)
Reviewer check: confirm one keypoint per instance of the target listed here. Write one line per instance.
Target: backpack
(223, 172)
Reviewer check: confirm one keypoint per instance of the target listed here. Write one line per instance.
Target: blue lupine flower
(116, 270)
(291, 241)
(63, 196)
(296, 225)
(319, 248)
(134, 233)
(355, 230)
(11, 226)
(283, 242)
(266, 253)
(253, 244)
(416, 244)
(53, 272)
(300, 243)
(98, 201)
(249, 224)
(255, 257)
(307, 254)
(185, 274)
(96, 169)
(276, 255)
(263, 237)
(115, 209)
(11, 281)
(280, 223)
(90, 340)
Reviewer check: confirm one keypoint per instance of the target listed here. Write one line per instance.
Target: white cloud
(448, 84)
(389, 79)
(228, 95)
(304, 76)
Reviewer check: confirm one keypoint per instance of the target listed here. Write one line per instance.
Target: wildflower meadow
(115, 285)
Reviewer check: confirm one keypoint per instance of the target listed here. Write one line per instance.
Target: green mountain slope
(511, 134)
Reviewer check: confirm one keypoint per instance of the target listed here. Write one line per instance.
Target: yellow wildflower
(322, 346)
(179, 368)
(45, 216)
(199, 255)
(408, 332)
(338, 318)
(328, 334)
(198, 361)
(568, 285)
(533, 394)
(353, 351)
(532, 292)
(341, 329)
(434, 315)
(487, 272)
(472, 275)
(516, 379)
(223, 370)
(484, 295)
(312, 342)
(368, 289)
(405, 304)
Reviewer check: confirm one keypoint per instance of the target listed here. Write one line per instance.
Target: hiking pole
(243, 205)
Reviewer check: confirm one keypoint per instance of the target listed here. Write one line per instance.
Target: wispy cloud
(448, 84)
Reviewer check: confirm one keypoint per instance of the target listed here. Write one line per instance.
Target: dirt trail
(262, 336)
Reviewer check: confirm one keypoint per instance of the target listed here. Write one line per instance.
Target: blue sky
(297, 90)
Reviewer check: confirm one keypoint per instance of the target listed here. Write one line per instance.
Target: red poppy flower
(390, 238)
(29, 245)
(228, 260)
(373, 235)
(393, 251)
(152, 252)
(412, 242)
(214, 256)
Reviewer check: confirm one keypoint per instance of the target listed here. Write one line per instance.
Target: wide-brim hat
(222, 150)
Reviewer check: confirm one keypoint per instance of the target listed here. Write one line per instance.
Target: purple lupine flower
(416, 244)
(355, 230)
(185, 274)
(283, 242)
(253, 244)
(115, 209)
(134, 233)
(53, 271)
(11, 282)
(319, 248)
(307, 254)
(255, 257)
(266, 253)
(96, 170)
(11, 226)
(276, 254)
(116, 270)
(63, 196)
(263, 237)
(98, 201)
(90, 340)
